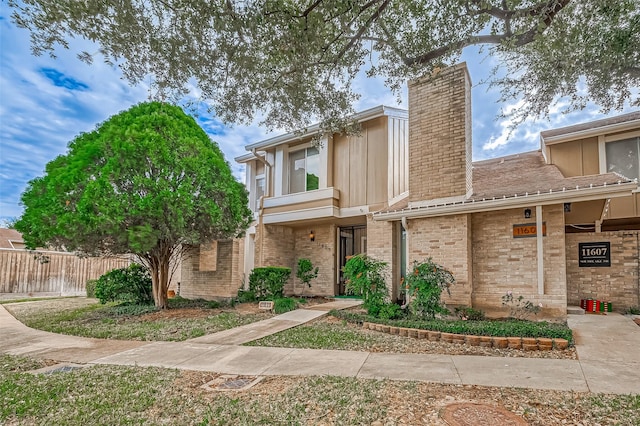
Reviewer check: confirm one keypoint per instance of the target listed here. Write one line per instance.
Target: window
(260, 184)
(623, 157)
(304, 170)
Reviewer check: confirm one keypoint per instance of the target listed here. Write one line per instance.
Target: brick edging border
(523, 343)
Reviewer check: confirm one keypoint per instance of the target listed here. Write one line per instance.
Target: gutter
(368, 114)
(590, 193)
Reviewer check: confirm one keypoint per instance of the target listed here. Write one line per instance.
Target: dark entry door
(352, 241)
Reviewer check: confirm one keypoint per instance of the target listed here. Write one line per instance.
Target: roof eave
(582, 134)
(547, 198)
(365, 115)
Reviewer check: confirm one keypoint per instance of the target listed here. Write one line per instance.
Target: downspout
(267, 186)
(405, 225)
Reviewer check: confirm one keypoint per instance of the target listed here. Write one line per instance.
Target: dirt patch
(636, 320)
(468, 414)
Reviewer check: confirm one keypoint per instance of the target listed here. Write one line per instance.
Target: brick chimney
(440, 135)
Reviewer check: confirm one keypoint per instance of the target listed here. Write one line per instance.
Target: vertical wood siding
(22, 271)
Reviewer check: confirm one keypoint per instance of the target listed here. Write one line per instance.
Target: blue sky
(45, 103)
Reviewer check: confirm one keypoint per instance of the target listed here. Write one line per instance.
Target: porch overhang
(574, 195)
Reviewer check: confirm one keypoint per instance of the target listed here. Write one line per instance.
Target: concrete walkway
(260, 329)
(616, 370)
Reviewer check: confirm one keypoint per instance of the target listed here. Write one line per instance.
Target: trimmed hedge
(268, 282)
(495, 328)
(127, 285)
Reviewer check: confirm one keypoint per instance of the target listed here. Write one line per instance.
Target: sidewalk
(597, 372)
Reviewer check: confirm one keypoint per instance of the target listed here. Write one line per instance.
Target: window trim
(604, 139)
(298, 148)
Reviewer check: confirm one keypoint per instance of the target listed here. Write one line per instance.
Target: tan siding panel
(567, 157)
(590, 157)
(621, 208)
(358, 170)
(377, 161)
(341, 168)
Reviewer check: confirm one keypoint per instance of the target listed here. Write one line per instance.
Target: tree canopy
(147, 181)
(292, 61)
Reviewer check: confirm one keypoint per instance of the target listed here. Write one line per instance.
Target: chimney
(440, 135)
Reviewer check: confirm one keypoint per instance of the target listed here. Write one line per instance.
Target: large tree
(147, 181)
(293, 61)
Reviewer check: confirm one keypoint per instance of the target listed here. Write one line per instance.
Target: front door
(352, 240)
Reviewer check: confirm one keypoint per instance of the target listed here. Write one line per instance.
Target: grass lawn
(118, 395)
(86, 318)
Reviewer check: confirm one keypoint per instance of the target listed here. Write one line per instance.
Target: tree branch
(554, 7)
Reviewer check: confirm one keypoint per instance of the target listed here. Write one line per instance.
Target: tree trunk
(159, 266)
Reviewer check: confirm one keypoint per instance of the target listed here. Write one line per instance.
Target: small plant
(468, 313)
(519, 308)
(245, 296)
(632, 310)
(285, 304)
(90, 288)
(128, 285)
(306, 272)
(365, 276)
(424, 287)
(268, 282)
(390, 311)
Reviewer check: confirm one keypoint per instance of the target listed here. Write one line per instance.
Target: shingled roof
(10, 239)
(523, 178)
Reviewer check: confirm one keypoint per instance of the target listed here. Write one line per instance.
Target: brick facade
(440, 135)
(322, 253)
(618, 283)
(447, 240)
(200, 281)
(503, 263)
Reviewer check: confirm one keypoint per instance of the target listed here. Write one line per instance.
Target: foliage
(306, 272)
(497, 328)
(391, 311)
(147, 181)
(268, 282)
(468, 313)
(519, 308)
(129, 285)
(90, 288)
(632, 310)
(245, 296)
(290, 61)
(424, 286)
(180, 302)
(284, 304)
(365, 277)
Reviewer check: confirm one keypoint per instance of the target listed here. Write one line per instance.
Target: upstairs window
(260, 185)
(304, 170)
(623, 157)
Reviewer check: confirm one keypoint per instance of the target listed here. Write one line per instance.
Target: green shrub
(306, 272)
(632, 310)
(268, 282)
(245, 296)
(507, 328)
(90, 287)
(132, 310)
(424, 286)
(128, 285)
(365, 277)
(468, 313)
(284, 304)
(390, 311)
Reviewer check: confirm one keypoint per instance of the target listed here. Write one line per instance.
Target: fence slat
(63, 273)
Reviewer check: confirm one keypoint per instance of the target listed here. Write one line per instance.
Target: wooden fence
(64, 274)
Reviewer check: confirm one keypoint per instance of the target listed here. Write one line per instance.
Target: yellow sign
(525, 230)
